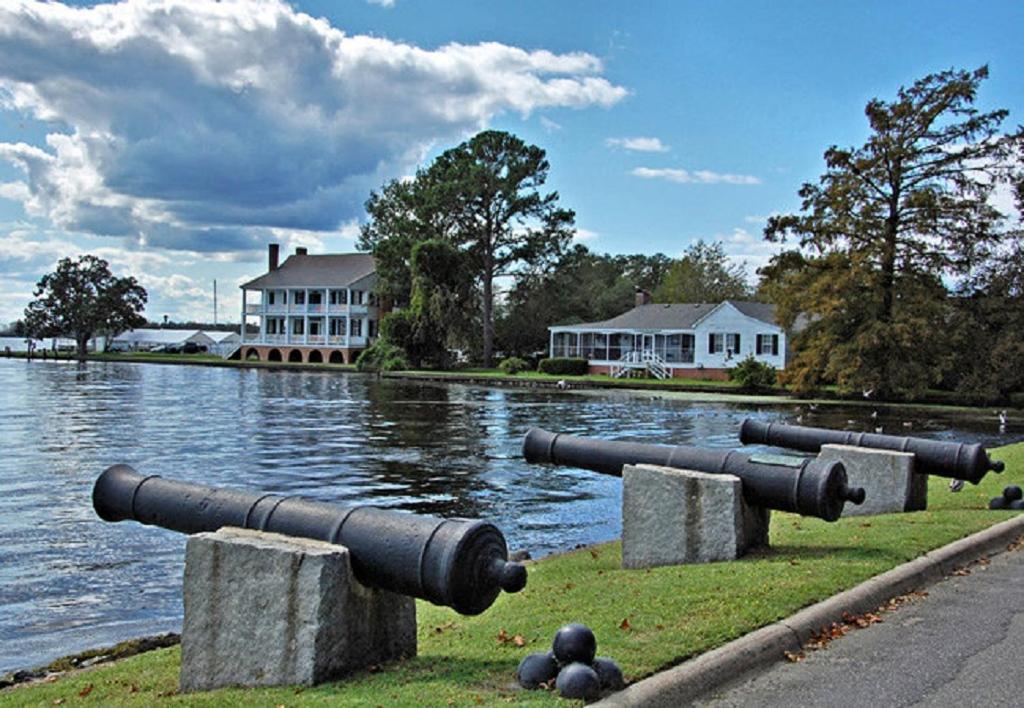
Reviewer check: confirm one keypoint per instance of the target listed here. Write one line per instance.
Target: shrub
(562, 366)
(752, 374)
(382, 356)
(513, 365)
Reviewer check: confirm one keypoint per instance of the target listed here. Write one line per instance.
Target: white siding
(728, 319)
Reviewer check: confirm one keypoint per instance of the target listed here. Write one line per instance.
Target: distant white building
(145, 340)
(695, 340)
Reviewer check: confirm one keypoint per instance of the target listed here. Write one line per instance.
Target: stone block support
(672, 516)
(888, 477)
(264, 609)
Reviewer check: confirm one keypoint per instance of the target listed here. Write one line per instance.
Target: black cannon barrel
(460, 563)
(946, 459)
(805, 486)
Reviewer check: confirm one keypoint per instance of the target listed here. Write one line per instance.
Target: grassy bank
(648, 620)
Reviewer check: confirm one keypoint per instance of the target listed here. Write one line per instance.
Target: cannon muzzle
(805, 486)
(460, 563)
(945, 459)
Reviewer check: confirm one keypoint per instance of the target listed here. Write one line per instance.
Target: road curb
(756, 651)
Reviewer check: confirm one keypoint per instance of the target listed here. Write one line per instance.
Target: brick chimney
(301, 251)
(273, 251)
(642, 297)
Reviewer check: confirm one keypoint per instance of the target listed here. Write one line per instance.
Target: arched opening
(315, 357)
(295, 356)
(337, 357)
(274, 355)
(253, 353)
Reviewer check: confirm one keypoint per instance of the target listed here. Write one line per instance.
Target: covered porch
(623, 346)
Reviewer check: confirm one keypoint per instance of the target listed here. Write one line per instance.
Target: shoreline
(696, 392)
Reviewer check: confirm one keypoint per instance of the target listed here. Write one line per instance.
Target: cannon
(805, 486)
(460, 563)
(946, 459)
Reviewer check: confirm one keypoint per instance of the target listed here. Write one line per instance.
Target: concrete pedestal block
(672, 516)
(263, 609)
(888, 477)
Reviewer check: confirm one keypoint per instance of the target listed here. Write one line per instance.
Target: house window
(299, 297)
(357, 297)
(371, 328)
(271, 326)
(768, 344)
(728, 342)
(339, 297)
(316, 298)
(314, 327)
(297, 326)
(337, 326)
(357, 328)
(270, 297)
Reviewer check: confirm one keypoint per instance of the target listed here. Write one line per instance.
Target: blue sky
(177, 138)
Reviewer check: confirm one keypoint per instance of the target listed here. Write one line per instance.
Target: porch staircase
(640, 360)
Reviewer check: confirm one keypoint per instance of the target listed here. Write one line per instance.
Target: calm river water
(69, 581)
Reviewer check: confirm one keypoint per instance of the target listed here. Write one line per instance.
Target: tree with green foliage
(441, 305)
(82, 298)
(484, 197)
(581, 287)
(703, 274)
(879, 231)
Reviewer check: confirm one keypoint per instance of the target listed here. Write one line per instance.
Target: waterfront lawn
(602, 379)
(647, 620)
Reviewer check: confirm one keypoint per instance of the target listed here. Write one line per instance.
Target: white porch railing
(640, 359)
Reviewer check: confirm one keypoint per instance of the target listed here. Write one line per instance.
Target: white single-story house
(691, 340)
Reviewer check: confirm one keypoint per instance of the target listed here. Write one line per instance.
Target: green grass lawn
(647, 619)
(588, 378)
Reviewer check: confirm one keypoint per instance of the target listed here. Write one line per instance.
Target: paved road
(962, 645)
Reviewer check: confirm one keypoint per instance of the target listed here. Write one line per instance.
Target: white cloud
(200, 126)
(583, 235)
(15, 191)
(549, 125)
(382, 3)
(751, 249)
(638, 144)
(696, 177)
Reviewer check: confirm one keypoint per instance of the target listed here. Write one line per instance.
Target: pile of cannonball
(573, 666)
(1013, 498)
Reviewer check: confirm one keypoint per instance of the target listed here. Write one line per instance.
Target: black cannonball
(574, 642)
(536, 669)
(1013, 493)
(1016, 504)
(578, 681)
(609, 674)
(998, 503)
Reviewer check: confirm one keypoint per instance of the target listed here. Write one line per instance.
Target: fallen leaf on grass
(57, 701)
(442, 627)
(625, 624)
(594, 554)
(795, 657)
(85, 691)
(505, 638)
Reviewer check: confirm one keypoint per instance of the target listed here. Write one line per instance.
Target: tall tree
(881, 228)
(82, 298)
(703, 274)
(484, 196)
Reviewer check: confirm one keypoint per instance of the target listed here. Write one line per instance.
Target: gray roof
(676, 315)
(333, 270)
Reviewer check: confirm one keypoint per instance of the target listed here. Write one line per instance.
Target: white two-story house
(311, 308)
(702, 340)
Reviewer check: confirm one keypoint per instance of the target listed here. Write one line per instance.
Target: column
(241, 331)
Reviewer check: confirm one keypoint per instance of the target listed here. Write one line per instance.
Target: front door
(648, 343)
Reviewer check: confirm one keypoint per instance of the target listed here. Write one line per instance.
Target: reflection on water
(69, 581)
